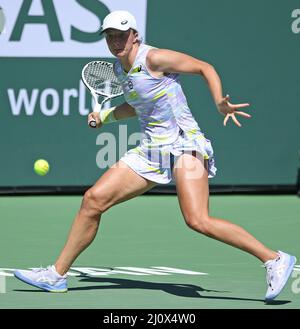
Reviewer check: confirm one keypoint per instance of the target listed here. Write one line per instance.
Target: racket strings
(100, 76)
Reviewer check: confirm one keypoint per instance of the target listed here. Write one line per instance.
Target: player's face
(119, 42)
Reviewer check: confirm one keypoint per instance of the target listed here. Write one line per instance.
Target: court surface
(145, 257)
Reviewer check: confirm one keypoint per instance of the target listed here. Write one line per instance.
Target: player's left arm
(169, 61)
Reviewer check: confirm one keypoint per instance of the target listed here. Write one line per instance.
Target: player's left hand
(230, 110)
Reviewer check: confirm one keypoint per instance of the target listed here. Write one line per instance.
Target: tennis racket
(100, 80)
(2, 20)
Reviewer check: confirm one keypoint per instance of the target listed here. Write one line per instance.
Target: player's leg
(193, 192)
(118, 184)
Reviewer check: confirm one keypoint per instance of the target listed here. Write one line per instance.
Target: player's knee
(199, 223)
(95, 201)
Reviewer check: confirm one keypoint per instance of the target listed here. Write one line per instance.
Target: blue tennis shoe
(278, 273)
(44, 278)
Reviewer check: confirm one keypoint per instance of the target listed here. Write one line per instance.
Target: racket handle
(93, 124)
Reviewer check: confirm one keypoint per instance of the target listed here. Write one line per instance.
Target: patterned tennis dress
(167, 124)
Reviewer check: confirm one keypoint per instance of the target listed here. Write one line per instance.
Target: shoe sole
(288, 274)
(42, 286)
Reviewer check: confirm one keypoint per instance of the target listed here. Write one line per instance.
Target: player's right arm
(124, 111)
(119, 112)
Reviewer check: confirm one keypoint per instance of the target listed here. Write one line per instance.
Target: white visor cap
(120, 20)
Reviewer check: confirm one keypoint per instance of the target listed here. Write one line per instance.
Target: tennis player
(173, 146)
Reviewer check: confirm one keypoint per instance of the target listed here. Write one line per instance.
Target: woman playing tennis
(172, 146)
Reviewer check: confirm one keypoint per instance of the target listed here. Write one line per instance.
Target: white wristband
(107, 115)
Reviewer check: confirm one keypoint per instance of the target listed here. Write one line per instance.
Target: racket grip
(93, 124)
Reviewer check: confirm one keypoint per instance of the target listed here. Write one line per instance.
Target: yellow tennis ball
(41, 167)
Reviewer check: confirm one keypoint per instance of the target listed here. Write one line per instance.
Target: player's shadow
(176, 289)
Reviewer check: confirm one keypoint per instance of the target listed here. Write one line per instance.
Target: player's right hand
(94, 116)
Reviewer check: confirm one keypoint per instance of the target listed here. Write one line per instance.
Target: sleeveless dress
(167, 125)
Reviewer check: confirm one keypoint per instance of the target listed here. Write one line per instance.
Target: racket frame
(98, 106)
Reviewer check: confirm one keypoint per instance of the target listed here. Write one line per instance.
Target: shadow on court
(180, 290)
